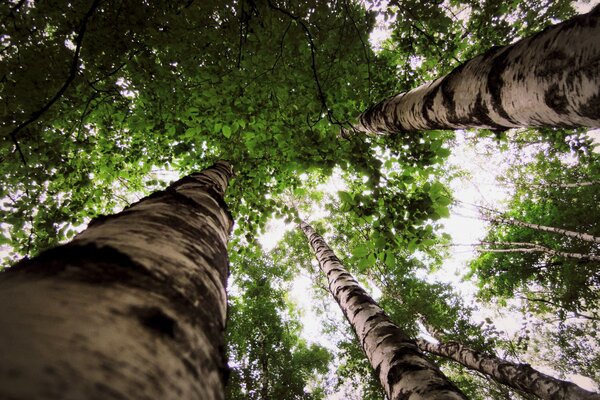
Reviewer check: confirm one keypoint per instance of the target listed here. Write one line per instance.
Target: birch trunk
(403, 371)
(133, 308)
(535, 248)
(548, 79)
(518, 376)
(577, 235)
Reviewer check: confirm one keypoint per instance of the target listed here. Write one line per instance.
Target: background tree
(269, 358)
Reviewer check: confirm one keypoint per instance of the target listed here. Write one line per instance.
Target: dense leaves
(269, 359)
(104, 101)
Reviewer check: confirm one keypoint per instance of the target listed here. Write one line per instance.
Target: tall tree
(552, 229)
(519, 376)
(548, 79)
(134, 307)
(403, 371)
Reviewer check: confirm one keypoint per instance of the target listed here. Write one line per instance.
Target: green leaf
(345, 197)
(360, 251)
(226, 131)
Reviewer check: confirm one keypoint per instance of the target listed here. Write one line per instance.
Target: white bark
(517, 376)
(133, 308)
(535, 248)
(566, 232)
(549, 79)
(403, 371)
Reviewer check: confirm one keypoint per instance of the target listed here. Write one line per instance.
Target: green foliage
(543, 196)
(560, 295)
(99, 95)
(268, 359)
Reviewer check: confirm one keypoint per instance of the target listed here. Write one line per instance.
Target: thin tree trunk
(133, 308)
(403, 371)
(535, 248)
(518, 376)
(548, 79)
(570, 185)
(577, 235)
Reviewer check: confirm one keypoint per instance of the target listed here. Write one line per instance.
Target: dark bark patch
(556, 100)
(495, 82)
(157, 321)
(428, 101)
(481, 114)
(377, 315)
(592, 108)
(398, 371)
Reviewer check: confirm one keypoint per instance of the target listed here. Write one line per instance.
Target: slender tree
(404, 372)
(525, 247)
(134, 307)
(548, 79)
(518, 376)
(552, 229)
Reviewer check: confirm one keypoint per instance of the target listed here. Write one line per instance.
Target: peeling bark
(133, 308)
(518, 376)
(404, 372)
(548, 79)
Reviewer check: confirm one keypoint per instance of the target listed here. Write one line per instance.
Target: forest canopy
(107, 101)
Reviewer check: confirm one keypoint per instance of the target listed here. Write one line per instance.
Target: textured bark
(518, 376)
(535, 248)
(549, 79)
(577, 235)
(133, 308)
(404, 372)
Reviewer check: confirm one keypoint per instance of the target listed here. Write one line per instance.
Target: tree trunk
(518, 376)
(577, 235)
(403, 371)
(548, 79)
(133, 308)
(535, 248)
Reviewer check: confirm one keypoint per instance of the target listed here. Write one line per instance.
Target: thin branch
(72, 74)
(311, 45)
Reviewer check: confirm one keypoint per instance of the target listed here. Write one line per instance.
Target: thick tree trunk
(403, 371)
(133, 308)
(518, 376)
(535, 248)
(549, 79)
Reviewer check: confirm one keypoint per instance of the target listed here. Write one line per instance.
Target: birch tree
(403, 371)
(552, 229)
(548, 79)
(134, 307)
(518, 376)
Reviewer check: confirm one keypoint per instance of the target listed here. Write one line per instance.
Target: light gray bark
(517, 376)
(535, 248)
(403, 371)
(549, 79)
(577, 235)
(133, 308)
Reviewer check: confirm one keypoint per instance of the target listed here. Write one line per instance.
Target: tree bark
(518, 376)
(535, 248)
(577, 235)
(548, 79)
(403, 371)
(133, 308)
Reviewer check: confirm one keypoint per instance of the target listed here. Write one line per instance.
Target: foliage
(98, 97)
(544, 196)
(267, 355)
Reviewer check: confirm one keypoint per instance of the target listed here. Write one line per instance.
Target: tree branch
(72, 74)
